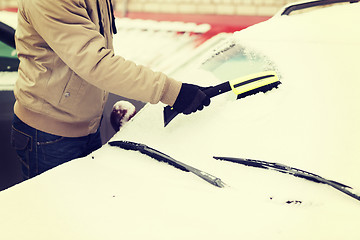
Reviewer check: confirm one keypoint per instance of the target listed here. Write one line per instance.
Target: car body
(310, 122)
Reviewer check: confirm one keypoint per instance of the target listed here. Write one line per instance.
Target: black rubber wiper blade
(148, 151)
(292, 171)
(153, 153)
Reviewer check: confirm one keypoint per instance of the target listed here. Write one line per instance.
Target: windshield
(234, 60)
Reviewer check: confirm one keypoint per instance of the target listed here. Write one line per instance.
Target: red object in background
(219, 23)
(9, 9)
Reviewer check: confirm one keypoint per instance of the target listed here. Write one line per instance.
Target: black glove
(190, 99)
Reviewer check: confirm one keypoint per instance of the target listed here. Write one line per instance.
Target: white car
(294, 150)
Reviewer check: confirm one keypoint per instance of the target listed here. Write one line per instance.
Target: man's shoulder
(46, 4)
(51, 8)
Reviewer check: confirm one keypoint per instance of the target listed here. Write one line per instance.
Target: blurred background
(222, 7)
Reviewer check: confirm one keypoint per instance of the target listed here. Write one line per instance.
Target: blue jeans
(39, 151)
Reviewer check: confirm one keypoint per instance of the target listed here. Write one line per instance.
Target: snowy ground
(310, 122)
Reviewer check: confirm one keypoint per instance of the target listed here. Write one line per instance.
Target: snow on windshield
(306, 123)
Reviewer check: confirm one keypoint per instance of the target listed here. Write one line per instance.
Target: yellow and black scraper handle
(241, 86)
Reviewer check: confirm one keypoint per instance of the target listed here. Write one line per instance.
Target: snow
(128, 106)
(309, 122)
(8, 18)
(163, 46)
(7, 80)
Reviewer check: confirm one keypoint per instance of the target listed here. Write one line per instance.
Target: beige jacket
(68, 66)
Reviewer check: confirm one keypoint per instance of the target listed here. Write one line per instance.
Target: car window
(236, 60)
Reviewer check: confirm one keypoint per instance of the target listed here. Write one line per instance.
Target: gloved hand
(191, 99)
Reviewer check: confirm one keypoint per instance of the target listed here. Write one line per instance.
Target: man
(67, 67)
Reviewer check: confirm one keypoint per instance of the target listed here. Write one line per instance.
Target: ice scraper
(242, 87)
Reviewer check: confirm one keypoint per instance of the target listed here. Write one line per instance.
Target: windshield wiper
(292, 171)
(151, 152)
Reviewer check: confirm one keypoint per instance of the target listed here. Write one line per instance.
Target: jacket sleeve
(68, 30)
